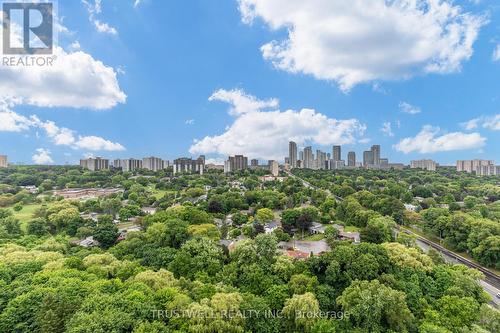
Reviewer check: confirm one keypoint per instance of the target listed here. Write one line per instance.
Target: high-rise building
(336, 153)
(152, 163)
(308, 158)
(351, 159)
(488, 170)
(367, 158)
(429, 165)
(254, 162)
(3, 161)
(95, 163)
(274, 168)
(130, 164)
(189, 165)
(472, 165)
(320, 160)
(292, 154)
(236, 162)
(376, 154)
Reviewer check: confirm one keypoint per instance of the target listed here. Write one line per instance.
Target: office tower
(152, 163)
(292, 154)
(254, 162)
(376, 154)
(308, 158)
(320, 159)
(336, 154)
(351, 159)
(429, 165)
(367, 158)
(94, 164)
(126, 165)
(274, 168)
(472, 165)
(236, 162)
(189, 165)
(3, 161)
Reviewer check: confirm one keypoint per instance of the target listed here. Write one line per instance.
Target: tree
(37, 227)
(264, 215)
(106, 233)
(301, 312)
(378, 230)
(373, 307)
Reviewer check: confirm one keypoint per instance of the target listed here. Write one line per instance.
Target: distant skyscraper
(423, 164)
(126, 165)
(472, 165)
(308, 158)
(3, 161)
(367, 158)
(292, 154)
(152, 163)
(351, 159)
(274, 168)
(320, 160)
(376, 154)
(189, 165)
(236, 162)
(254, 162)
(94, 164)
(336, 153)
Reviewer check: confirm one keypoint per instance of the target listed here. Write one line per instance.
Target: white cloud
(496, 53)
(265, 134)
(96, 143)
(104, 27)
(75, 45)
(137, 3)
(42, 156)
(429, 140)
(11, 121)
(241, 102)
(75, 80)
(189, 122)
(356, 41)
(408, 108)
(94, 9)
(488, 122)
(387, 129)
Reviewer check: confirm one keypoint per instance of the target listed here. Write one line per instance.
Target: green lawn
(25, 214)
(316, 237)
(351, 228)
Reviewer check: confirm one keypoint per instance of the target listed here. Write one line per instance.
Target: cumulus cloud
(95, 8)
(408, 108)
(264, 134)
(42, 156)
(488, 122)
(11, 121)
(387, 129)
(496, 53)
(430, 140)
(241, 102)
(356, 41)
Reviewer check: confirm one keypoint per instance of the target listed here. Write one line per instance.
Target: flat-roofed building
(351, 159)
(472, 165)
(152, 163)
(429, 165)
(236, 162)
(127, 165)
(95, 163)
(274, 168)
(3, 161)
(189, 165)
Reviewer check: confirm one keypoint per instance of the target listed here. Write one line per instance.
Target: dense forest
(201, 257)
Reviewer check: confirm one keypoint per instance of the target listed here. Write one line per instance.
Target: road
(491, 282)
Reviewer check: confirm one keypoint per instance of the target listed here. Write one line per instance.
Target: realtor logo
(27, 28)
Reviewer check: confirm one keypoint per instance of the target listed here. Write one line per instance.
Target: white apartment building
(429, 165)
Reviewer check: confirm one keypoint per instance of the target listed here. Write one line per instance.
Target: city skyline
(219, 86)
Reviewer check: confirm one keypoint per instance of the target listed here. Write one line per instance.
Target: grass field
(25, 214)
(316, 237)
(351, 228)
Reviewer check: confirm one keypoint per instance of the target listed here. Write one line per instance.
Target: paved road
(489, 288)
(491, 284)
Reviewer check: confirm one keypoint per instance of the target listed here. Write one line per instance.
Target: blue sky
(182, 78)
